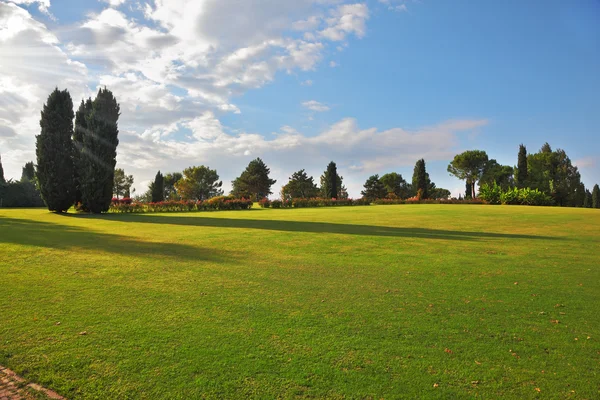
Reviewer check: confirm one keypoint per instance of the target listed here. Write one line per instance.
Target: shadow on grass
(311, 227)
(57, 236)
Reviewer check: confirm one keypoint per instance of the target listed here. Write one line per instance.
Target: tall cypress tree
(81, 128)
(522, 167)
(2, 180)
(28, 172)
(98, 155)
(596, 196)
(54, 149)
(331, 179)
(419, 180)
(157, 189)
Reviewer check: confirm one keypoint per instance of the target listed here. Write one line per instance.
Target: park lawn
(407, 301)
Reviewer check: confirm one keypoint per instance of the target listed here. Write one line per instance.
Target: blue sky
(371, 85)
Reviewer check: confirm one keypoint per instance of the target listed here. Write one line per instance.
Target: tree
(98, 154)
(199, 183)
(300, 185)
(439, 193)
(54, 148)
(324, 189)
(254, 182)
(588, 199)
(28, 172)
(395, 183)
(169, 181)
(374, 188)
(2, 180)
(81, 129)
(596, 196)
(420, 180)
(502, 175)
(468, 191)
(469, 166)
(329, 185)
(157, 188)
(522, 167)
(122, 183)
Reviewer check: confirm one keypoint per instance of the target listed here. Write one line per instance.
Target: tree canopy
(469, 166)
(122, 183)
(420, 180)
(300, 185)
(254, 182)
(374, 188)
(396, 184)
(199, 183)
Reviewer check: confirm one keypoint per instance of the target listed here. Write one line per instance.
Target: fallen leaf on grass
(538, 389)
(435, 385)
(448, 351)
(477, 362)
(83, 333)
(554, 321)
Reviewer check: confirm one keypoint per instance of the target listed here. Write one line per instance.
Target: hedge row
(316, 202)
(493, 194)
(215, 204)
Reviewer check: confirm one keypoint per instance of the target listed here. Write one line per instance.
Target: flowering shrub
(265, 203)
(124, 200)
(217, 203)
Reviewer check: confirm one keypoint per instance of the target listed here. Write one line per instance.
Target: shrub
(265, 203)
(490, 193)
(276, 204)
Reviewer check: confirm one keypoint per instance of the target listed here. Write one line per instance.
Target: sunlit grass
(407, 301)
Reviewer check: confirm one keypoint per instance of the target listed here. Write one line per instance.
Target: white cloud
(43, 5)
(114, 3)
(395, 5)
(333, 64)
(307, 82)
(586, 162)
(346, 19)
(314, 105)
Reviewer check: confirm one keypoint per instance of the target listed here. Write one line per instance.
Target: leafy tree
(2, 180)
(596, 196)
(374, 188)
(300, 185)
(122, 183)
(170, 193)
(469, 166)
(500, 174)
(199, 183)
(439, 193)
(81, 129)
(98, 154)
(254, 182)
(28, 172)
(157, 188)
(54, 148)
(522, 167)
(420, 180)
(588, 199)
(396, 184)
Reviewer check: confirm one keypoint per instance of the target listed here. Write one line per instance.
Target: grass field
(414, 301)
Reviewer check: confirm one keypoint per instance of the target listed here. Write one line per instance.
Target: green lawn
(415, 301)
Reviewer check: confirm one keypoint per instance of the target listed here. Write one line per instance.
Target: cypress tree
(54, 149)
(28, 172)
(522, 167)
(98, 155)
(158, 188)
(596, 196)
(2, 180)
(331, 179)
(419, 180)
(468, 190)
(85, 108)
(587, 202)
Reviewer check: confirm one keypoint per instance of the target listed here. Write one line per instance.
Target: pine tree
(419, 180)
(596, 196)
(28, 172)
(54, 148)
(301, 186)
(587, 203)
(199, 183)
(2, 180)
(81, 128)
(331, 180)
(98, 154)
(254, 182)
(522, 167)
(374, 188)
(158, 188)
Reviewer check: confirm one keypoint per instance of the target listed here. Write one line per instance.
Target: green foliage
(420, 180)
(396, 184)
(596, 196)
(28, 172)
(522, 169)
(169, 181)
(54, 148)
(20, 194)
(468, 190)
(300, 185)
(587, 203)
(2, 179)
(525, 196)
(331, 182)
(199, 183)
(374, 188)
(122, 183)
(80, 130)
(157, 189)
(254, 182)
(490, 193)
(325, 182)
(496, 173)
(469, 166)
(98, 155)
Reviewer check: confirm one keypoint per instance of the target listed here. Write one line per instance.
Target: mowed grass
(409, 301)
